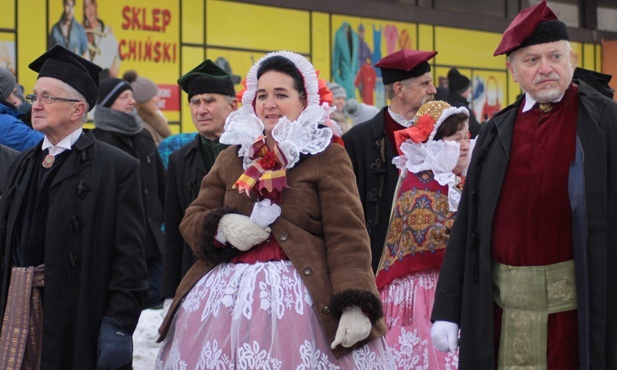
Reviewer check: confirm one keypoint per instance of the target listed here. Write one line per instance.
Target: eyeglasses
(47, 99)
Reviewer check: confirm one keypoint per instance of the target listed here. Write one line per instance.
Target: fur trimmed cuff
(209, 247)
(368, 302)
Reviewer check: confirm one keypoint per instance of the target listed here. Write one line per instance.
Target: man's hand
(444, 335)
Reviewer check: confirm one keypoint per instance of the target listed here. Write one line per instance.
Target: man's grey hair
(72, 93)
(390, 87)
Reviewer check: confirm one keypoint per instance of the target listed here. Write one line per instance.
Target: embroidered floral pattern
(413, 351)
(212, 357)
(174, 361)
(408, 302)
(368, 360)
(238, 317)
(313, 358)
(253, 357)
(419, 224)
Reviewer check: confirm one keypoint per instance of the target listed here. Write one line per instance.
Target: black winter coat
(93, 268)
(371, 155)
(184, 174)
(7, 156)
(142, 147)
(464, 293)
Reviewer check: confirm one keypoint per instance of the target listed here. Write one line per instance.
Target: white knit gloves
(241, 232)
(353, 327)
(445, 336)
(246, 232)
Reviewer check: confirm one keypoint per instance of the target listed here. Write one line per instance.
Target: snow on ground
(145, 347)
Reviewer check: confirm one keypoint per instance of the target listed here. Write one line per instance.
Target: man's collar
(400, 119)
(64, 144)
(530, 102)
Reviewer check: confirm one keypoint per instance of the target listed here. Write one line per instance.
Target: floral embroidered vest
(420, 224)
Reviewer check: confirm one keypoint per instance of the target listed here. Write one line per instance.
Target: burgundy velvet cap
(404, 64)
(534, 25)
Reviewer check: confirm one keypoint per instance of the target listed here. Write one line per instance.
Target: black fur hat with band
(207, 78)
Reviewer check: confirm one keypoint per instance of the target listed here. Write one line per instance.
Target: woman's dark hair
(283, 65)
(451, 125)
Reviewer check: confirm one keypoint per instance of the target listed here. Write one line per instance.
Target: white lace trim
(438, 156)
(302, 136)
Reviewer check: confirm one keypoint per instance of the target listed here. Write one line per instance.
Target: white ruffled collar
(302, 136)
(438, 156)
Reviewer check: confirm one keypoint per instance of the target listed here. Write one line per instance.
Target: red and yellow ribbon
(267, 172)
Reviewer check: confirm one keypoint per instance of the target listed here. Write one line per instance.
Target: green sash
(527, 295)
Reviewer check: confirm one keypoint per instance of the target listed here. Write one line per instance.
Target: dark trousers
(155, 274)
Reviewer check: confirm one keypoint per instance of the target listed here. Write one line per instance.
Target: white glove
(166, 304)
(265, 213)
(241, 232)
(444, 335)
(353, 327)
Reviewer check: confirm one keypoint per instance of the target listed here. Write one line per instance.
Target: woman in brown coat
(284, 278)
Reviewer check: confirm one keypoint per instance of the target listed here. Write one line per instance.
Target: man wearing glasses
(211, 99)
(73, 273)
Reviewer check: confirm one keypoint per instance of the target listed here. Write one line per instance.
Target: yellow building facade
(163, 39)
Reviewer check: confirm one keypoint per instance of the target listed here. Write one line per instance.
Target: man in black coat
(7, 155)
(459, 90)
(117, 123)
(370, 145)
(211, 99)
(73, 273)
(529, 274)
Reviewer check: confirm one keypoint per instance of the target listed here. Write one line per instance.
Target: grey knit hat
(337, 90)
(359, 112)
(7, 83)
(143, 88)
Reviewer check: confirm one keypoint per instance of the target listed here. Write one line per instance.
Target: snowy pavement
(145, 347)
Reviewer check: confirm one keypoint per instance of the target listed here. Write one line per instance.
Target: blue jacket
(14, 133)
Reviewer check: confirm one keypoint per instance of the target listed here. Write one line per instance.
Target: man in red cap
(529, 274)
(409, 84)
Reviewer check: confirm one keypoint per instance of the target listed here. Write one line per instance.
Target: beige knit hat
(143, 88)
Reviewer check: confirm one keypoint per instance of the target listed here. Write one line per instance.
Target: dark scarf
(210, 149)
(112, 120)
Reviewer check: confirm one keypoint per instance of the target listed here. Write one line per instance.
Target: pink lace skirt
(407, 303)
(256, 316)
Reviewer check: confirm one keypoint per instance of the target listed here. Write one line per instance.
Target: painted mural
(162, 39)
